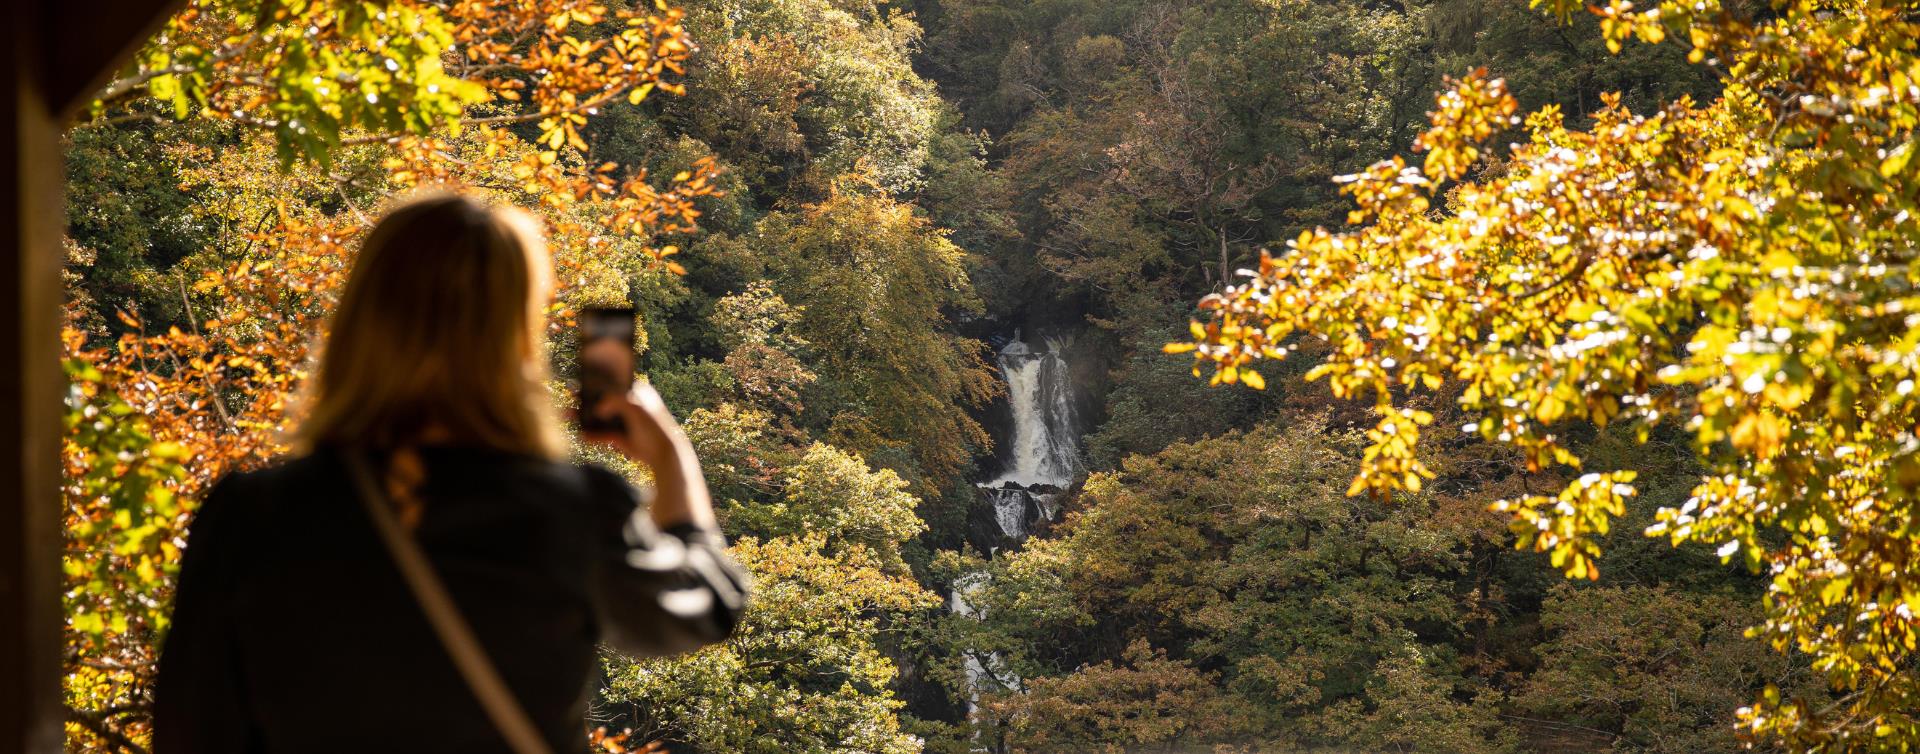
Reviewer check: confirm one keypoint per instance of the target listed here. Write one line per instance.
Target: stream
(1042, 460)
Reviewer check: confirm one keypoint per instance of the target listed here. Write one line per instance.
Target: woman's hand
(652, 436)
(648, 430)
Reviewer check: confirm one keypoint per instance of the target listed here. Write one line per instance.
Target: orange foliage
(156, 416)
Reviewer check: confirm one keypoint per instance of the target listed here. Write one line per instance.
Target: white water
(1045, 445)
(992, 672)
(1044, 449)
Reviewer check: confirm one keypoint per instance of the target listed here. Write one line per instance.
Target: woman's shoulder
(606, 486)
(566, 478)
(268, 495)
(319, 472)
(464, 470)
(242, 503)
(306, 472)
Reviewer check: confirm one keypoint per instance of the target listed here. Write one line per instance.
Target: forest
(1103, 375)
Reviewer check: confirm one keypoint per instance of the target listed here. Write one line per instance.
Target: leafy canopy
(313, 70)
(304, 112)
(1745, 266)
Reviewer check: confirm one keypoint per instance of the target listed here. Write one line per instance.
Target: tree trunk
(1226, 270)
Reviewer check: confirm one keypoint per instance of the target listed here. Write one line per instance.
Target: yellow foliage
(1745, 267)
(348, 96)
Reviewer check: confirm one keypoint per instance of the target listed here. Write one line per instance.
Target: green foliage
(1155, 402)
(1243, 552)
(739, 452)
(766, 359)
(1739, 265)
(872, 283)
(119, 555)
(1664, 668)
(1147, 702)
(833, 494)
(136, 221)
(1548, 60)
(964, 195)
(798, 92)
(116, 556)
(694, 385)
(823, 536)
(803, 673)
(1141, 151)
(331, 68)
(1328, 621)
(1412, 705)
(757, 316)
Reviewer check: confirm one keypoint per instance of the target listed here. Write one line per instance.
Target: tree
(763, 356)
(1660, 669)
(813, 665)
(1744, 266)
(1411, 705)
(1147, 702)
(1154, 143)
(314, 72)
(821, 535)
(1240, 557)
(873, 283)
(304, 117)
(1548, 60)
(1155, 404)
(833, 494)
(803, 672)
(799, 92)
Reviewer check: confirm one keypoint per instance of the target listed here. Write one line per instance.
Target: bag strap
(454, 632)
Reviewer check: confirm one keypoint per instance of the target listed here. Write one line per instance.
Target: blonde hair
(439, 331)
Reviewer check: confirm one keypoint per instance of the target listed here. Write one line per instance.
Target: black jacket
(293, 630)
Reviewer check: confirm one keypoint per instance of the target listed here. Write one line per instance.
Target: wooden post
(58, 53)
(30, 383)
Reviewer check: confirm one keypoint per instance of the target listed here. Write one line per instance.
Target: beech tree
(873, 283)
(1743, 266)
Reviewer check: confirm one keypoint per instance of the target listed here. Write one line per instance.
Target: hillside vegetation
(1549, 381)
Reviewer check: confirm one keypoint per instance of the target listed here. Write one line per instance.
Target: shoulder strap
(455, 634)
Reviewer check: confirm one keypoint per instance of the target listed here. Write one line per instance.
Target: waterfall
(992, 671)
(1040, 391)
(1042, 456)
(1044, 450)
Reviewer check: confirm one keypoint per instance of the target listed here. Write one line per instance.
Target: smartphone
(606, 365)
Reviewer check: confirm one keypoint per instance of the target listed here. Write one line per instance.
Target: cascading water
(1042, 458)
(981, 673)
(1044, 451)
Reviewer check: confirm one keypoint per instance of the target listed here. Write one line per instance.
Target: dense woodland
(831, 212)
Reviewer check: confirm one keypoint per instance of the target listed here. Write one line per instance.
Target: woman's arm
(669, 587)
(654, 438)
(665, 592)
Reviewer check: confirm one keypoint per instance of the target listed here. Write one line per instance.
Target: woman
(297, 626)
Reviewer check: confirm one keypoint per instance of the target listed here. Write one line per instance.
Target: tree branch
(96, 723)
